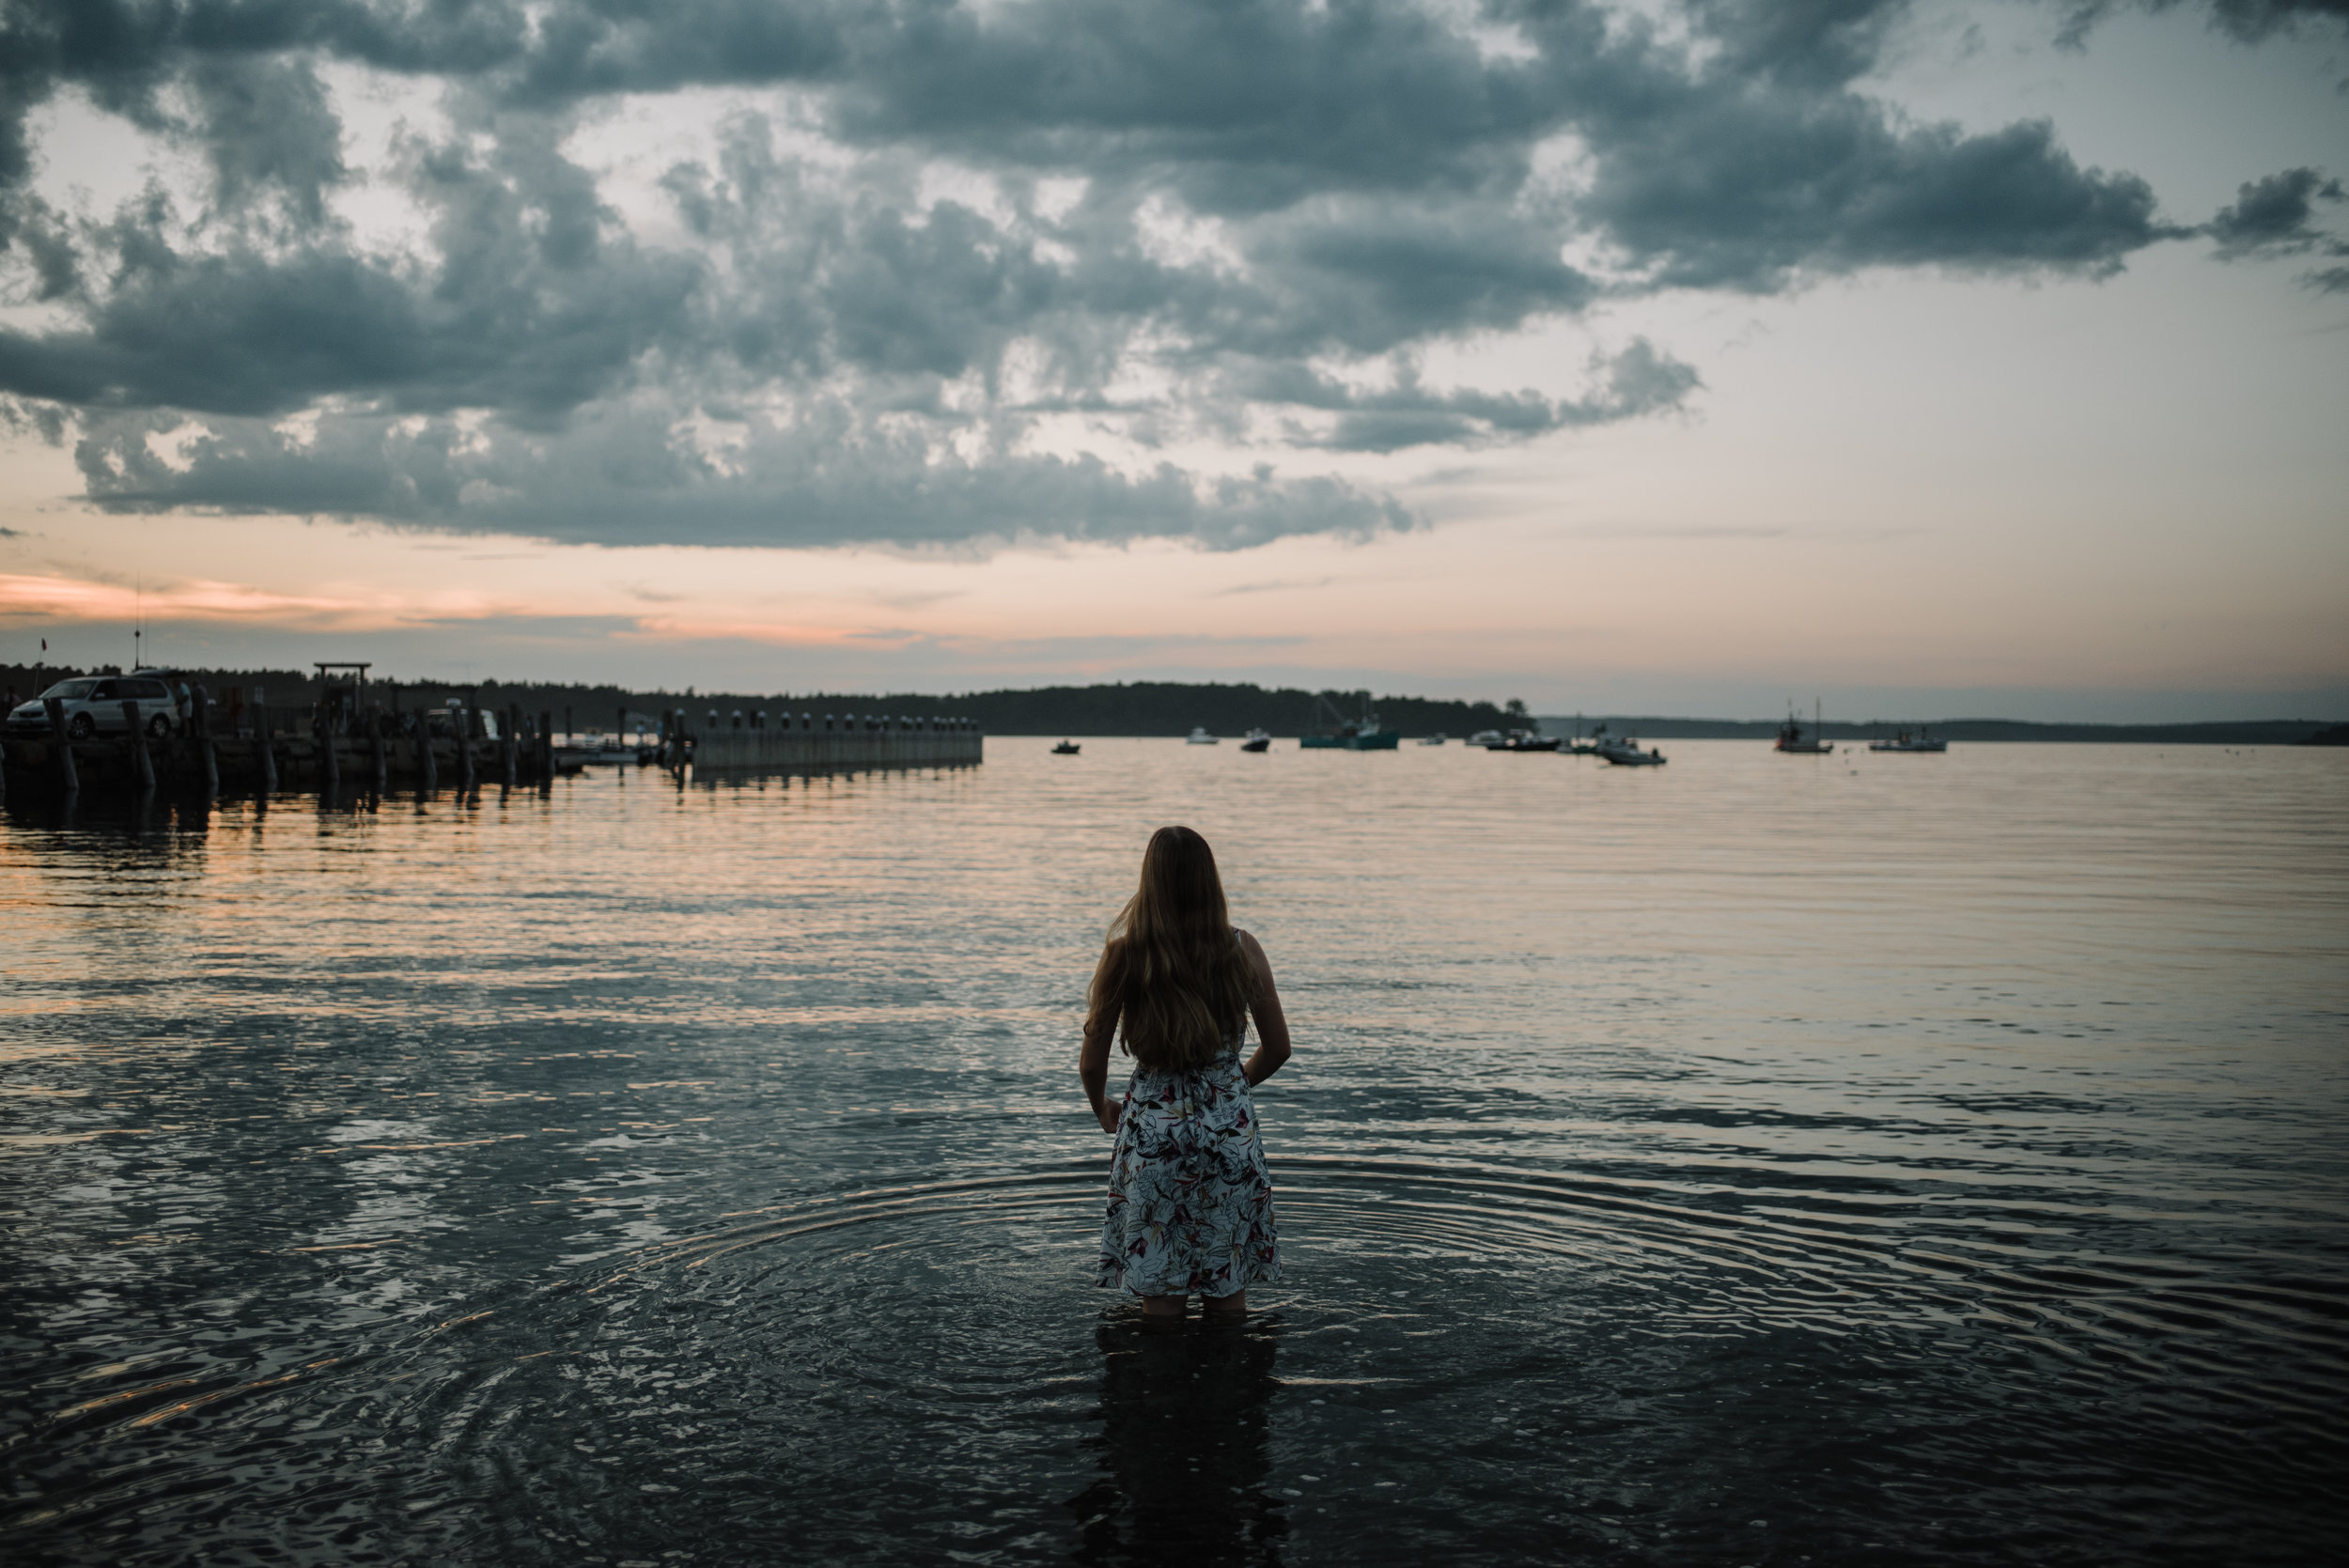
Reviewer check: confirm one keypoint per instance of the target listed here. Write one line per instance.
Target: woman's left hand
(1106, 1113)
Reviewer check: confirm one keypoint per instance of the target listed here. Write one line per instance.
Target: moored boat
(1793, 740)
(1258, 741)
(1625, 753)
(1066, 749)
(1364, 733)
(1436, 740)
(1904, 741)
(1199, 737)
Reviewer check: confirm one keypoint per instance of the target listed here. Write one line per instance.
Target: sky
(1667, 356)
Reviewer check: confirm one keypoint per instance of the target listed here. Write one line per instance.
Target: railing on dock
(809, 743)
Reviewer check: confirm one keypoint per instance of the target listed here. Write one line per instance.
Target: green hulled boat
(1333, 732)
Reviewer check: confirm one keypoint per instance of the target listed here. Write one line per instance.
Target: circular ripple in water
(1616, 1370)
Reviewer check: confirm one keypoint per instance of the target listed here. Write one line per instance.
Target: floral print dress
(1190, 1203)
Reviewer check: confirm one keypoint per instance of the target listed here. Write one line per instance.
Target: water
(1758, 1159)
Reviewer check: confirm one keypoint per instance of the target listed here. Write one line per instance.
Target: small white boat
(1625, 753)
(1919, 741)
(1436, 740)
(1258, 741)
(1488, 739)
(1199, 737)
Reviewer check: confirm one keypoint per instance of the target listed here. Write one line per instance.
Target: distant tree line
(2223, 732)
(1139, 708)
(1153, 708)
(1173, 707)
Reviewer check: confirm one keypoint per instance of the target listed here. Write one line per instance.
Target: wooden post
(145, 763)
(200, 709)
(429, 764)
(383, 753)
(330, 765)
(67, 780)
(464, 750)
(619, 728)
(264, 736)
(546, 749)
(507, 744)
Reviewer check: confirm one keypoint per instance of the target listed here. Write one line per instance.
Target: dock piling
(330, 765)
(200, 711)
(139, 759)
(69, 780)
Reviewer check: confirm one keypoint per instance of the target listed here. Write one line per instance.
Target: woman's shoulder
(1249, 944)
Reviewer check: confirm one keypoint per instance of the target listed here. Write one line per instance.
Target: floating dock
(825, 743)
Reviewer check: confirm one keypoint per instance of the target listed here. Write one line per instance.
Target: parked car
(177, 680)
(457, 719)
(93, 705)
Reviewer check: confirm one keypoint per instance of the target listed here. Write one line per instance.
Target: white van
(93, 707)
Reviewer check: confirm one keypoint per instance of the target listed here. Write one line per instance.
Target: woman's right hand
(1106, 1113)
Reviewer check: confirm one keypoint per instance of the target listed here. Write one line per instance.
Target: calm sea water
(1758, 1159)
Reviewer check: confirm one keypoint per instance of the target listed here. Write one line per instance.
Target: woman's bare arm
(1272, 1025)
(1092, 1059)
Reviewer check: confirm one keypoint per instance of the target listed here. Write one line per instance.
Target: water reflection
(1938, 1165)
(1185, 1418)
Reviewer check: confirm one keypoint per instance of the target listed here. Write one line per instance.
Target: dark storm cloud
(608, 46)
(1814, 42)
(620, 476)
(2275, 214)
(1744, 196)
(1636, 381)
(1267, 207)
(2248, 21)
(268, 125)
(1240, 107)
(526, 307)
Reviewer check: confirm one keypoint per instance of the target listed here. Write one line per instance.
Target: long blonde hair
(1172, 971)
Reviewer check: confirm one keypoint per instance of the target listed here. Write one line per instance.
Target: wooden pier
(377, 751)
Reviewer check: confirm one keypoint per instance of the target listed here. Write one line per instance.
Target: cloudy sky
(1678, 355)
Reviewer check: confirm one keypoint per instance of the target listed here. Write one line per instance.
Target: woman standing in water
(1191, 1204)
